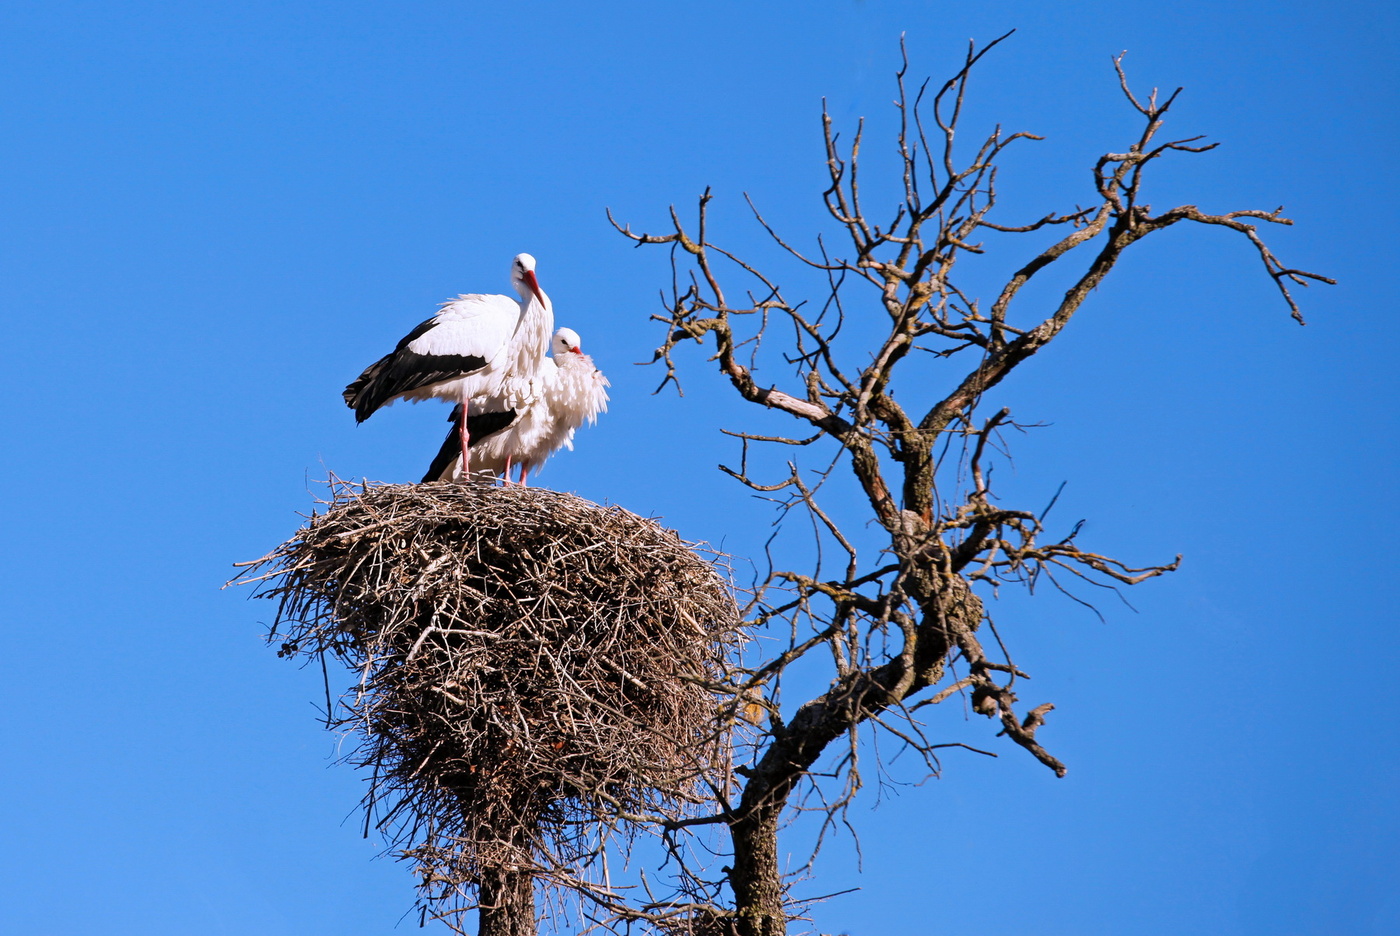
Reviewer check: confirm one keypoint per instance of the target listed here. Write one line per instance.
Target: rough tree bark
(507, 903)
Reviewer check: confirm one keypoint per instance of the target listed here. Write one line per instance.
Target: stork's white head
(522, 277)
(565, 341)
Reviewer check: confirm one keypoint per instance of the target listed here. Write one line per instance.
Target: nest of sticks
(532, 668)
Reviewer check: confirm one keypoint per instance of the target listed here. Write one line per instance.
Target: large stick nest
(531, 667)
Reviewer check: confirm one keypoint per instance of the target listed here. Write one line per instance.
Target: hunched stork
(480, 352)
(571, 391)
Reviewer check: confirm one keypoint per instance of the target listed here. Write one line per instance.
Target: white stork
(571, 391)
(478, 352)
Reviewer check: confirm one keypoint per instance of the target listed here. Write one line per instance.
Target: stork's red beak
(534, 285)
(576, 349)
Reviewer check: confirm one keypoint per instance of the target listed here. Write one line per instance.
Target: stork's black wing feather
(479, 426)
(403, 371)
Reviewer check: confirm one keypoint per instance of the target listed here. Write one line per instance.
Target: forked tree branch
(903, 618)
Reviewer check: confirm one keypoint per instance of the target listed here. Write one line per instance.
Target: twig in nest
(532, 667)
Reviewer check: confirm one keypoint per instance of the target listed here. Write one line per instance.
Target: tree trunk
(756, 880)
(507, 903)
(755, 877)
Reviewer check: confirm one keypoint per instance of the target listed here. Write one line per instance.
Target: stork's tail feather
(479, 426)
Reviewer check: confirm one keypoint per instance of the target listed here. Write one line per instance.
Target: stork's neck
(533, 332)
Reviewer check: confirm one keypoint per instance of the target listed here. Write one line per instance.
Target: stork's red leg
(507, 477)
(466, 442)
(524, 474)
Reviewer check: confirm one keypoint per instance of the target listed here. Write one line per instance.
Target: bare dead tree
(902, 625)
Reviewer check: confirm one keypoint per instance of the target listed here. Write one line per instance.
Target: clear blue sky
(214, 215)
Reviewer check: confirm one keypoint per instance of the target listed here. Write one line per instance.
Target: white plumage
(483, 351)
(568, 391)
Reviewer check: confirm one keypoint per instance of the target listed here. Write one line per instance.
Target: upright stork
(478, 352)
(571, 391)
